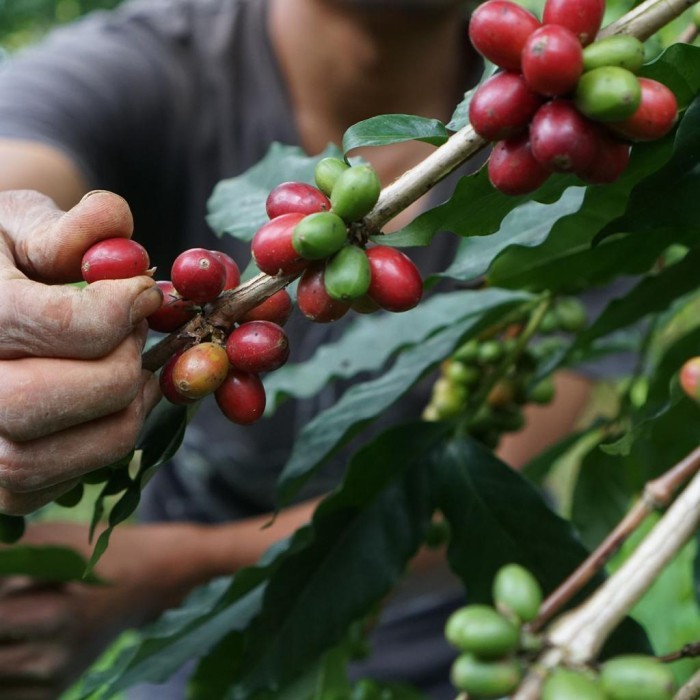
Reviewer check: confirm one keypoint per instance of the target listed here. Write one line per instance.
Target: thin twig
(688, 35)
(688, 651)
(691, 689)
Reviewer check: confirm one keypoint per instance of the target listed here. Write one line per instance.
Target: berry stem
(691, 689)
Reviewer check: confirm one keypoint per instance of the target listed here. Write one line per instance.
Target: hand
(50, 633)
(73, 393)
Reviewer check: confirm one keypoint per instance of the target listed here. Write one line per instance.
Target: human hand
(74, 395)
(51, 632)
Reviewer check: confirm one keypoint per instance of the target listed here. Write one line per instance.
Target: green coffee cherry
(571, 314)
(481, 630)
(549, 322)
(71, 498)
(564, 684)
(327, 171)
(459, 373)
(485, 679)
(543, 392)
(448, 398)
(623, 51)
(347, 275)
(637, 677)
(490, 351)
(608, 94)
(516, 592)
(11, 528)
(319, 235)
(355, 192)
(468, 352)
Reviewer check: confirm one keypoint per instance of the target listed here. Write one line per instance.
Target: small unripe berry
(200, 370)
(517, 592)
(327, 171)
(565, 684)
(295, 197)
(319, 235)
(485, 679)
(257, 346)
(481, 630)
(114, 259)
(198, 275)
(637, 677)
(355, 192)
(608, 94)
(241, 397)
(347, 274)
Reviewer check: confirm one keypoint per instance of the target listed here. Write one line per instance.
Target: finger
(33, 611)
(34, 403)
(65, 321)
(34, 691)
(25, 503)
(37, 664)
(48, 244)
(39, 464)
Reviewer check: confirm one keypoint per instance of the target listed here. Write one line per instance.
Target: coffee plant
(592, 178)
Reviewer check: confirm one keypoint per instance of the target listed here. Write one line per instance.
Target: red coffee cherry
(498, 29)
(513, 169)
(295, 197)
(562, 139)
(655, 116)
(200, 370)
(276, 308)
(198, 275)
(272, 247)
(174, 311)
(167, 387)
(552, 60)
(502, 106)
(233, 273)
(314, 301)
(582, 17)
(241, 397)
(257, 346)
(114, 259)
(689, 378)
(396, 284)
(610, 162)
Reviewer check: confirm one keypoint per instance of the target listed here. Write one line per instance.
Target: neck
(346, 61)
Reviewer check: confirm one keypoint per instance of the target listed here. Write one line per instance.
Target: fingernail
(145, 304)
(91, 192)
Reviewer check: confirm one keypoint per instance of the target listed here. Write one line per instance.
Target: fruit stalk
(647, 18)
(691, 689)
(578, 636)
(657, 494)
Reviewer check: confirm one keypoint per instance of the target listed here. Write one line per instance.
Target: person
(122, 124)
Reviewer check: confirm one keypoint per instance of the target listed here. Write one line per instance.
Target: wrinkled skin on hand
(73, 395)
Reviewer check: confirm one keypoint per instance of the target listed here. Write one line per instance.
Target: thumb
(48, 244)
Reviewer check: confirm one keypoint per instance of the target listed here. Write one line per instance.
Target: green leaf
(237, 205)
(328, 431)
(460, 117)
(47, 563)
(162, 434)
(538, 468)
(394, 128)
(373, 524)
(348, 356)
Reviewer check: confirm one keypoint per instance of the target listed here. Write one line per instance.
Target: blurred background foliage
(24, 21)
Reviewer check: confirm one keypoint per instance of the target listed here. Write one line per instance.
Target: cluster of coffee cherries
(315, 231)
(229, 367)
(562, 101)
(495, 648)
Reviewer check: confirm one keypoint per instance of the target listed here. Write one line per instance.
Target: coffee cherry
(174, 311)
(319, 235)
(485, 679)
(200, 370)
(637, 677)
(502, 106)
(621, 50)
(198, 275)
(543, 392)
(327, 171)
(347, 275)
(513, 169)
(582, 17)
(313, 299)
(114, 259)
(295, 197)
(167, 387)
(498, 29)
(610, 162)
(465, 374)
(272, 247)
(689, 378)
(12, 528)
(71, 498)
(467, 352)
(564, 684)
(257, 346)
(608, 94)
(552, 60)
(395, 284)
(655, 116)
(571, 314)
(276, 308)
(490, 352)
(516, 592)
(481, 630)
(233, 273)
(241, 397)
(355, 192)
(561, 138)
